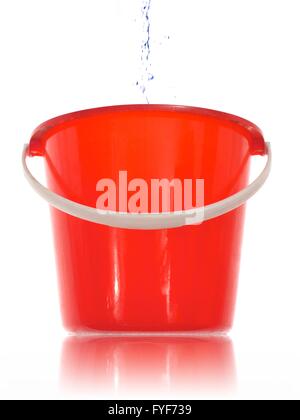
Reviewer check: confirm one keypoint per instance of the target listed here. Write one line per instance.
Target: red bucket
(147, 271)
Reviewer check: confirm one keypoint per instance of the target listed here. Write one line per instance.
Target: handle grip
(148, 221)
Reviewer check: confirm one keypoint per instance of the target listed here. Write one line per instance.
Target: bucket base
(156, 333)
(154, 328)
(196, 333)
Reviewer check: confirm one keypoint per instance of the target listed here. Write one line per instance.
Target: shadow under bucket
(151, 271)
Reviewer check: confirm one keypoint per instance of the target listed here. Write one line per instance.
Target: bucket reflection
(148, 367)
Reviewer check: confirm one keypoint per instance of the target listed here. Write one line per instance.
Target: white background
(237, 56)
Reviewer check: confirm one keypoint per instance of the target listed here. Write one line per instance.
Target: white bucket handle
(148, 221)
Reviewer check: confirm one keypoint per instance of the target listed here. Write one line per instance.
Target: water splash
(146, 74)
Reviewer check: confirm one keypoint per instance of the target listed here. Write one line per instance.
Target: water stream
(146, 75)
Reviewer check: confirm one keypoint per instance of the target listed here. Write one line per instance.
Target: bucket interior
(148, 143)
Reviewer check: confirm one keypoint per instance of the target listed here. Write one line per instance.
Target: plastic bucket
(149, 272)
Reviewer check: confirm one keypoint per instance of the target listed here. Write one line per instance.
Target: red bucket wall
(163, 280)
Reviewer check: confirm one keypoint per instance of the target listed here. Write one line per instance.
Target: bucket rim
(48, 128)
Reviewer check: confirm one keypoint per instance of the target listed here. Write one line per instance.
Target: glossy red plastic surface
(163, 280)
